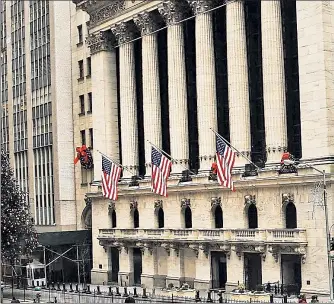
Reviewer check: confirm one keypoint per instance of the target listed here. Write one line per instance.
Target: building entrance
(114, 259)
(218, 269)
(137, 266)
(253, 270)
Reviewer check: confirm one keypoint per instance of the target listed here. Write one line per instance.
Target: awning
(77, 237)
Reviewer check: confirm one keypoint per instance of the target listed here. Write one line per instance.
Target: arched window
(218, 217)
(290, 216)
(161, 218)
(252, 217)
(113, 219)
(188, 218)
(135, 219)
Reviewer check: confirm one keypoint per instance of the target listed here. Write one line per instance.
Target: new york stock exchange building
(261, 75)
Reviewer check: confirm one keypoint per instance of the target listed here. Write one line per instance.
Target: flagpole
(118, 164)
(245, 157)
(171, 158)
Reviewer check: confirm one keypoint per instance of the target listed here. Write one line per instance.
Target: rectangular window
(82, 104)
(81, 69)
(83, 137)
(89, 66)
(91, 138)
(80, 37)
(90, 103)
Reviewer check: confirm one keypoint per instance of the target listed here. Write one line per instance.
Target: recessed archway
(252, 217)
(161, 218)
(188, 217)
(218, 217)
(290, 216)
(135, 218)
(113, 219)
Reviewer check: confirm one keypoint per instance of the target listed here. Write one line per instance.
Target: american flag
(161, 166)
(110, 177)
(225, 163)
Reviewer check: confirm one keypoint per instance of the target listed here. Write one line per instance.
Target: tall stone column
(175, 266)
(151, 85)
(128, 98)
(125, 273)
(149, 268)
(273, 80)
(172, 12)
(104, 92)
(205, 82)
(238, 90)
(203, 265)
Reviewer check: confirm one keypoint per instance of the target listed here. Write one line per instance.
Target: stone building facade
(258, 72)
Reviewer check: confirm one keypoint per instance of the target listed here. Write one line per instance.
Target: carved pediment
(185, 202)
(250, 199)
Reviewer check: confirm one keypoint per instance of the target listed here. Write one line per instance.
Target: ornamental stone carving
(200, 6)
(250, 199)
(146, 23)
(172, 11)
(158, 204)
(133, 205)
(185, 202)
(215, 201)
(101, 41)
(287, 198)
(111, 207)
(123, 32)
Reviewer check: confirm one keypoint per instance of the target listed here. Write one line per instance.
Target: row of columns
(238, 87)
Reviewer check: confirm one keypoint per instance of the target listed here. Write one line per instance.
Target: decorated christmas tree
(18, 235)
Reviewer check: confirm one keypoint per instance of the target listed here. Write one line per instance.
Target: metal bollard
(197, 298)
(135, 295)
(64, 287)
(271, 298)
(117, 292)
(125, 294)
(220, 300)
(110, 291)
(144, 293)
(209, 300)
(58, 286)
(53, 286)
(88, 289)
(33, 284)
(285, 299)
(98, 292)
(71, 288)
(76, 288)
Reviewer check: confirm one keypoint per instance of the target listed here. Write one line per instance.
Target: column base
(147, 280)
(202, 284)
(229, 286)
(125, 278)
(99, 277)
(159, 281)
(173, 280)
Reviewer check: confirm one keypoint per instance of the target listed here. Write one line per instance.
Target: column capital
(101, 41)
(146, 23)
(200, 6)
(123, 32)
(172, 11)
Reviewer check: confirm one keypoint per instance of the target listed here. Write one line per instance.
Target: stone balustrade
(270, 236)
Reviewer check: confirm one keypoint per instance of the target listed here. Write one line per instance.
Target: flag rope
(245, 157)
(171, 158)
(118, 164)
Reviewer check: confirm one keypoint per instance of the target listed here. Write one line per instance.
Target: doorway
(114, 259)
(137, 266)
(291, 274)
(253, 270)
(218, 269)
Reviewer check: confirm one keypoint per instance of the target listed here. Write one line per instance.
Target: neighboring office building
(259, 72)
(37, 122)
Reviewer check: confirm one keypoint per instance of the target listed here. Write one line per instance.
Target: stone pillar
(151, 85)
(128, 98)
(125, 273)
(175, 267)
(235, 270)
(148, 267)
(203, 269)
(273, 80)
(172, 12)
(271, 266)
(205, 82)
(104, 92)
(238, 90)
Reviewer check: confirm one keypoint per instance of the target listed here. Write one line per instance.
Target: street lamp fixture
(328, 236)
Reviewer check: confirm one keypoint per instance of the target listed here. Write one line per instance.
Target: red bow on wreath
(214, 168)
(85, 157)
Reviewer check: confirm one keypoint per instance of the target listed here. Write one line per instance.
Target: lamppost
(328, 236)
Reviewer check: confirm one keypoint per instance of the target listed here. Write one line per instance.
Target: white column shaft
(177, 91)
(273, 80)
(206, 89)
(238, 90)
(128, 101)
(151, 96)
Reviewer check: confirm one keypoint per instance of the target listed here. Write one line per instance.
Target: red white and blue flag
(225, 163)
(161, 167)
(110, 177)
